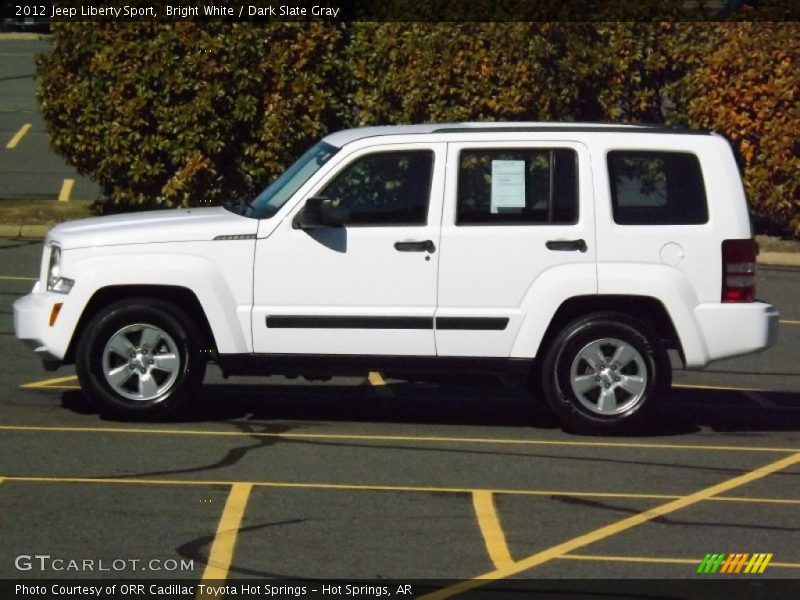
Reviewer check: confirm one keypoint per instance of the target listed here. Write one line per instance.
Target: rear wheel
(139, 358)
(604, 373)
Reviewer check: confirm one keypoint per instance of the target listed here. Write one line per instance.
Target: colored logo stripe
(710, 563)
(739, 562)
(734, 563)
(758, 563)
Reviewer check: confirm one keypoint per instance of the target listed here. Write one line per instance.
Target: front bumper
(32, 324)
(736, 329)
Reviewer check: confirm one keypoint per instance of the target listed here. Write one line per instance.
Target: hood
(176, 225)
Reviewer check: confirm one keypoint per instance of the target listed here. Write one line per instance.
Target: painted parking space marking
(789, 322)
(612, 529)
(655, 559)
(12, 143)
(489, 523)
(66, 190)
(56, 383)
(15, 278)
(356, 487)
(222, 548)
(389, 438)
(377, 381)
(719, 388)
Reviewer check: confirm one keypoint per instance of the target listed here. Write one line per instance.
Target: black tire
(612, 399)
(166, 383)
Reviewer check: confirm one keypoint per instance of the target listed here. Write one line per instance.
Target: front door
(368, 288)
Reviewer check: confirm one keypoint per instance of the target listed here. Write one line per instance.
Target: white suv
(571, 255)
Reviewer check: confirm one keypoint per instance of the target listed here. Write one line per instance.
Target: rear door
(512, 212)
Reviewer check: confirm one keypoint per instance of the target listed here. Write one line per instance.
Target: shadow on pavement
(686, 411)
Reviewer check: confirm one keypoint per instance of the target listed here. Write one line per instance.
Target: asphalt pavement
(369, 479)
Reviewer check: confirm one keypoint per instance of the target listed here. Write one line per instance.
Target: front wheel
(139, 358)
(604, 373)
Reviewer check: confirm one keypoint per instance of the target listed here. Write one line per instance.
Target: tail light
(738, 270)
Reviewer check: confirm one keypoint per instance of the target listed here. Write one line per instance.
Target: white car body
(244, 271)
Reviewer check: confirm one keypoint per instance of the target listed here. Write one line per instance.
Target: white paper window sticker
(508, 185)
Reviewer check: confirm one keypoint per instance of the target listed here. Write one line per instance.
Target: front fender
(224, 298)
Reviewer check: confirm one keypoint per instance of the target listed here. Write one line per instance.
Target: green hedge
(189, 113)
(185, 114)
(748, 89)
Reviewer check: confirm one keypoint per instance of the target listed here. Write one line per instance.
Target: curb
(779, 259)
(776, 259)
(22, 36)
(24, 231)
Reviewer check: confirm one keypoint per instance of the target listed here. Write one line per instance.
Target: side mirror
(319, 213)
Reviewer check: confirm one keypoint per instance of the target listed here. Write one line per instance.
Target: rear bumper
(735, 329)
(32, 324)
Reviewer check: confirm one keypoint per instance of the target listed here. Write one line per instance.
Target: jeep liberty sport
(571, 255)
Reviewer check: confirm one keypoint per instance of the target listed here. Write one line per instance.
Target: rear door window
(525, 186)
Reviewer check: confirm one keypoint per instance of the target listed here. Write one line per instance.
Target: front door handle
(578, 245)
(426, 246)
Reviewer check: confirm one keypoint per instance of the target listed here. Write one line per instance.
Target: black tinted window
(517, 186)
(657, 188)
(391, 188)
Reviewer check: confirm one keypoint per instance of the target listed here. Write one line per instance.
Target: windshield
(268, 202)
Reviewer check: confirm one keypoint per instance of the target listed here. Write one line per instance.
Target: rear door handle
(426, 246)
(566, 245)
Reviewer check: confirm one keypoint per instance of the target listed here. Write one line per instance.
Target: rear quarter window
(657, 188)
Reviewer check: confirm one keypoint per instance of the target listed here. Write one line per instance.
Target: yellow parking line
(221, 555)
(596, 535)
(722, 388)
(18, 136)
(644, 559)
(66, 190)
(12, 278)
(61, 387)
(489, 523)
(789, 323)
(648, 559)
(377, 381)
(384, 488)
(754, 499)
(390, 438)
(46, 383)
(335, 486)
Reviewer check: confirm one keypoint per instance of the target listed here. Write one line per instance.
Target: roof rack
(573, 128)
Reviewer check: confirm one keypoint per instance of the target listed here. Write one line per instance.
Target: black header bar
(22, 14)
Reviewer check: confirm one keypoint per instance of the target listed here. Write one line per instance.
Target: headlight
(56, 283)
(53, 267)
